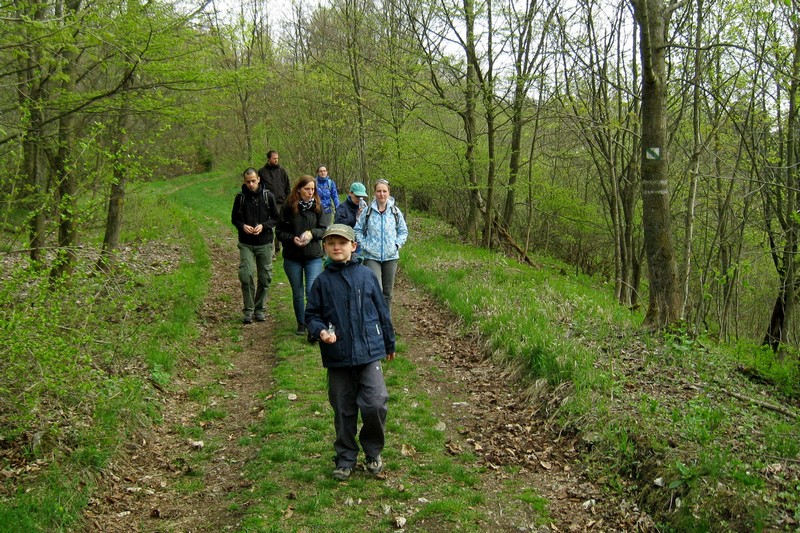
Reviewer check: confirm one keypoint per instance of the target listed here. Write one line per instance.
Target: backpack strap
(395, 212)
(240, 198)
(366, 220)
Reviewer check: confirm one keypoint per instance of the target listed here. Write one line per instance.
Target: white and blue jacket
(381, 235)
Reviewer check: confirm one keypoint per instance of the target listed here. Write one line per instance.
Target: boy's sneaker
(374, 465)
(301, 329)
(247, 319)
(342, 473)
(260, 317)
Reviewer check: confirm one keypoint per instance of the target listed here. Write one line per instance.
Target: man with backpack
(254, 214)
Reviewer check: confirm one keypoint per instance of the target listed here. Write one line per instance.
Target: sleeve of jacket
(314, 320)
(318, 231)
(358, 229)
(287, 187)
(334, 194)
(273, 215)
(284, 228)
(341, 216)
(236, 215)
(402, 230)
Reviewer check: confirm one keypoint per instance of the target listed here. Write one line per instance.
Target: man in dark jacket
(276, 180)
(347, 312)
(254, 214)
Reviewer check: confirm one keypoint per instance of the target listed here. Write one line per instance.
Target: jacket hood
(247, 191)
(389, 203)
(337, 266)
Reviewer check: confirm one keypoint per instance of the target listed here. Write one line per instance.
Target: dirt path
(487, 415)
(142, 492)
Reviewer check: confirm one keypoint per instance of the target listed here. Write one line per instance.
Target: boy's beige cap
(342, 230)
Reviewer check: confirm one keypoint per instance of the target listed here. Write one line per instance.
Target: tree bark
(665, 303)
(116, 200)
(31, 95)
(66, 176)
(469, 118)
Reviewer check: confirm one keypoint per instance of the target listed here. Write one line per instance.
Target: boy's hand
(390, 356)
(327, 337)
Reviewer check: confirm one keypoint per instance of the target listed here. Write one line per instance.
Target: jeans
(385, 271)
(294, 271)
(255, 275)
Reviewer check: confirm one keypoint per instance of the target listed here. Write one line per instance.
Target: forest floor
(138, 491)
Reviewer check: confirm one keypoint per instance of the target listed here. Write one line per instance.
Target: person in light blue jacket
(381, 231)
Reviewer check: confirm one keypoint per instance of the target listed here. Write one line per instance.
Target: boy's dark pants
(354, 389)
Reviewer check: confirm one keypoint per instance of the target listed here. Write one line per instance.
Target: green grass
(71, 350)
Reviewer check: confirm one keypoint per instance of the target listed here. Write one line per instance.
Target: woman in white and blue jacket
(381, 231)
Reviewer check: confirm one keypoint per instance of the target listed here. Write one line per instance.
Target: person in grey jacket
(381, 231)
(346, 311)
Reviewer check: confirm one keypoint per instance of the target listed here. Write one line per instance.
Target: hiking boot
(301, 329)
(342, 473)
(247, 319)
(374, 465)
(260, 317)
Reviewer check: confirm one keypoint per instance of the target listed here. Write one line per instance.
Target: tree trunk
(665, 306)
(66, 176)
(353, 29)
(694, 171)
(116, 200)
(778, 333)
(31, 93)
(470, 121)
(489, 104)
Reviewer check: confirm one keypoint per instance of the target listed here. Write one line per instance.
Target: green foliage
(782, 371)
(72, 386)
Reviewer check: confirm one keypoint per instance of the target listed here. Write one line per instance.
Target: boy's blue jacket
(348, 296)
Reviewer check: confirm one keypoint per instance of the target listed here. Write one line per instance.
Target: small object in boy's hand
(331, 329)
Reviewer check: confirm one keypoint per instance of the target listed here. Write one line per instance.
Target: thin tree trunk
(31, 94)
(116, 200)
(353, 13)
(694, 172)
(66, 176)
(489, 103)
(470, 121)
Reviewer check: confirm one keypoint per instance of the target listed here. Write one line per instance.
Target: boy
(254, 214)
(347, 312)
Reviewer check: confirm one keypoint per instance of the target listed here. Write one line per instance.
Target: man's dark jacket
(346, 213)
(254, 208)
(275, 178)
